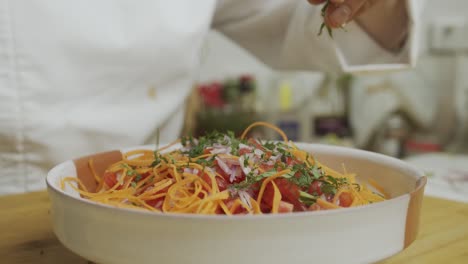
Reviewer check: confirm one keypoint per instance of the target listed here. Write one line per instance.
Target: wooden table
(26, 234)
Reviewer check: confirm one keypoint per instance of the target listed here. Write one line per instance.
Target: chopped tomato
(222, 183)
(156, 203)
(254, 189)
(239, 178)
(316, 188)
(345, 199)
(229, 202)
(222, 173)
(244, 151)
(206, 179)
(239, 209)
(268, 194)
(290, 161)
(227, 177)
(219, 210)
(290, 193)
(252, 193)
(207, 150)
(314, 207)
(110, 179)
(285, 207)
(266, 167)
(255, 143)
(265, 208)
(145, 175)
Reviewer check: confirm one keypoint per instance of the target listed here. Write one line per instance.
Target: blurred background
(419, 115)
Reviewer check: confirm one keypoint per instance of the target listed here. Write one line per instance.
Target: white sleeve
(283, 34)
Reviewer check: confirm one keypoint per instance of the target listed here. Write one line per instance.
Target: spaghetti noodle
(222, 174)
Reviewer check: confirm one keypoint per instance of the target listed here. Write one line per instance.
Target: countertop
(27, 236)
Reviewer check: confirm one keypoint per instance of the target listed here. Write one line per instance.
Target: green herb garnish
(130, 170)
(246, 162)
(307, 198)
(205, 162)
(299, 175)
(138, 177)
(269, 145)
(328, 189)
(316, 172)
(251, 179)
(357, 186)
(164, 159)
(330, 185)
(323, 25)
(157, 159)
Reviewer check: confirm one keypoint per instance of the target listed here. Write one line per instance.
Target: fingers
(316, 2)
(340, 14)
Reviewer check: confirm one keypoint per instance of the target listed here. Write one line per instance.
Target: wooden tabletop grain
(26, 233)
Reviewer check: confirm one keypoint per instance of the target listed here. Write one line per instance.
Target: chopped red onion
(243, 146)
(232, 162)
(235, 172)
(245, 198)
(258, 152)
(221, 150)
(223, 165)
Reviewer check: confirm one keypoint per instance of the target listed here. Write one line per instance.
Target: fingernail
(341, 15)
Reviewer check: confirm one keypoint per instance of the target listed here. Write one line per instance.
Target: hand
(340, 12)
(386, 21)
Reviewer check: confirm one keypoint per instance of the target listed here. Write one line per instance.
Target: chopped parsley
(246, 162)
(330, 185)
(299, 176)
(316, 172)
(138, 177)
(269, 145)
(157, 159)
(251, 179)
(307, 198)
(328, 189)
(130, 171)
(205, 162)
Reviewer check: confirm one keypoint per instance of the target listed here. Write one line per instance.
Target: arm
(283, 34)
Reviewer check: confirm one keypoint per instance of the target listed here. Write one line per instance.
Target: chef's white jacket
(78, 77)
